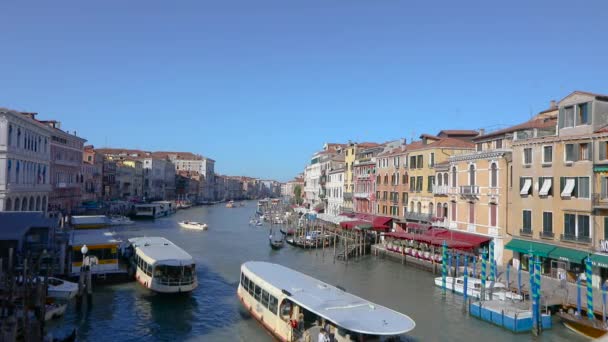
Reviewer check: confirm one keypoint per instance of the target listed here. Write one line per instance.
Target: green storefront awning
(568, 254)
(529, 247)
(600, 168)
(599, 260)
(364, 226)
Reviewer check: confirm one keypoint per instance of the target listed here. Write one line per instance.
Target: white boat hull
(54, 311)
(195, 226)
(498, 291)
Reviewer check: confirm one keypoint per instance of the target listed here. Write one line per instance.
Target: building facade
(91, 187)
(66, 166)
(335, 191)
(391, 182)
(25, 154)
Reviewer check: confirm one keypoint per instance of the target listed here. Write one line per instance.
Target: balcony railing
(600, 200)
(525, 232)
(575, 239)
(469, 190)
(361, 194)
(440, 190)
(418, 216)
(348, 196)
(546, 235)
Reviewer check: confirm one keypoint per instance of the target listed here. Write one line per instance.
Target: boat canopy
(345, 310)
(160, 251)
(93, 237)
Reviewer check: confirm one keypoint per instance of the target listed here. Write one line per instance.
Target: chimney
(552, 104)
(482, 131)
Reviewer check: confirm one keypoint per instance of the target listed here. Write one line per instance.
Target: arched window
(439, 210)
(10, 134)
(9, 204)
(471, 174)
(493, 176)
(17, 173)
(411, 206)
(44, 204)
(385, 179)
(32, 203)
(24, 204)
(431, 209)
(445, 179)
(419, 208)
(38, 203)
(454, 184)
(18, 137)
(439, 180)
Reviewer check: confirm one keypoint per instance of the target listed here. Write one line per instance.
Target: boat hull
(260, 320)
(582, 326)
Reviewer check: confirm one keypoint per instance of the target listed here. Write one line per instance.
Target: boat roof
(158, 250)
(147, 205)
(94, 237)
(342, 308)
(88, 219)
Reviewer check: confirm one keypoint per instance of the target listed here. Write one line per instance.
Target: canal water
(127, 312)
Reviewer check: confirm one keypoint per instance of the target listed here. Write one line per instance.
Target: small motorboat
(230, 204)
(581, 324)
(276, 241)
(61, 289)
(193, 225)
(54, 310)
(259, 223)
(120, 221)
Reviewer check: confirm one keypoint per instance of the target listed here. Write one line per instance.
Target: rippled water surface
(127, 312)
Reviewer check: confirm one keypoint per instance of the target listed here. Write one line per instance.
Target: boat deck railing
(166, 281)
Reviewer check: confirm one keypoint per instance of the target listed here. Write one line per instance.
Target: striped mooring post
(537, 274)
(578, 296)
(444, 271)
(483, 274)
(450, 256)
(457, 264)
(491, 261)
(519, 279)
(604, 289)
(508, 273)
(466, 282)
(474, 267)
(589, 276)
(532, 297)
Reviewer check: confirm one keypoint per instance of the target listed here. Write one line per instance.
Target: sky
(259, 86)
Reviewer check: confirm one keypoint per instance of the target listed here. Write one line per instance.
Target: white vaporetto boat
(497, 290)
(193, 225)
(292, 305)
(120, 221)
(162, 266)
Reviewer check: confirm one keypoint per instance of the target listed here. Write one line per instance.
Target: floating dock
(513, 316)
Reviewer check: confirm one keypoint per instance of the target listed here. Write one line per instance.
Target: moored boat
(230, 204)
(61, 289)
(120, 221)
(294, 307)
(580, 324)
(276, 240)
(193, 225)
(162, 266)
(497, 290)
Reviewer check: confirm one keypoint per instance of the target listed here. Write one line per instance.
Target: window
(547, 154)
(583, 151)
(378, 194)
(479, 147)
(430, 184)
(583, 226)
(419, 181)
(605, 227)
(420, 161)
(404, 197)
(568, 120)
(454, 176)
(603, 187)
(547, 222)
(493, 175)
(471, 174)
(265, 298)
(412, 183)
(273, 304)
(499, 143)
(570, 153)
(582, 114)
(525, 186)
(569, 224)
(527, 221)
(471, 212)
(603, 150)
(432, 162)
(583, 187)
(404, 179)
(453, 211)
(412, 162)
(546, 186)
(493, 215)
(567, 186)
(527, 156)
(257, 293)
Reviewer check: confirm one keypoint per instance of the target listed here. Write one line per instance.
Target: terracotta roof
(583, 93)
(443, 142)
(429, 136)
(534, 123)
(465, 132)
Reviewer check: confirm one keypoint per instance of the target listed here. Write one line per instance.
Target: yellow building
(422, 157)
(557, 210)
(350, 156)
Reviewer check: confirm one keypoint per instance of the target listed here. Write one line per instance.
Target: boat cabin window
(264, 300)
(286, 308)
(459, 281)
(262, 296)
(257, 293)
(477, 285)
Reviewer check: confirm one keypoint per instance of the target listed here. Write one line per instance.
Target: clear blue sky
(260, 85)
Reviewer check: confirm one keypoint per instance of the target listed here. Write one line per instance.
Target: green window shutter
(561, 118)
(562, 183)
(575, 190)
(588, 109)
(602, 150)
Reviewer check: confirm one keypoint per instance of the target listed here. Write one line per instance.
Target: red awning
(453, 235)
(381, 221)
(430, 239)
(352, 224)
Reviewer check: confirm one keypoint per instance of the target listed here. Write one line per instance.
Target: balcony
(546, 235)
(440, 190)
(575, 239)
(600, 201)
(469, 190)
(418, 217)
(361, 194)
(525, 232)
(347, 196)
